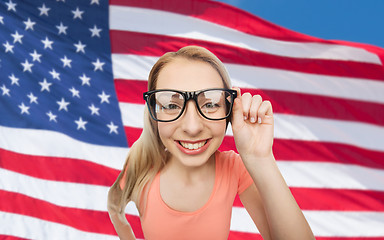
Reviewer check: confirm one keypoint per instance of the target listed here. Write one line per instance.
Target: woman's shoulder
(227, 159)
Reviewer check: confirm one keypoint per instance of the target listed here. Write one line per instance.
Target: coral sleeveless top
(212, 221)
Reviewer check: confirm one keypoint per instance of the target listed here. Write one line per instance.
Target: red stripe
(156, 45)
(221, 14)
(234, 235)
(335, 199)
(284, 102)
(58, 169)
(81, 219)
(6, 237)
(297, 150)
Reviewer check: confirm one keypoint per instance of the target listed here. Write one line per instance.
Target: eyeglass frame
(190, 95)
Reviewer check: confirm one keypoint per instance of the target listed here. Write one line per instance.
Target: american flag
(72, 75)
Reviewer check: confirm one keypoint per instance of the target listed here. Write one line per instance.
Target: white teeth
(192, 146)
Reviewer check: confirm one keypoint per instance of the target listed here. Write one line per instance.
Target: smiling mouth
(193, 146)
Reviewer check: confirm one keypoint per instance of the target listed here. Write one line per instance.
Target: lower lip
(193, 151)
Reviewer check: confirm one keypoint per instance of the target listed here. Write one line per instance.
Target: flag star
(35, 56)
(14, 80)
(60, 0)
(85, 80)
(8, 47)
(95, 31)
(24, 108)
(112, 128)
(80, 47)
(17, 37)
(11, 6)
(47, 43)
(44, 10)
(98, 65)
(1, 19)
(5, 90)
(75, 92)
(95, 1)
(27, 66)
(81, 124)
(29, 24)
(45, 85)
(52, 117)
(32, 98)
(63, 104)
(55, 75)
(66, 61)
(94, 110)
(77, 13)
(62, 28)
(104, 97)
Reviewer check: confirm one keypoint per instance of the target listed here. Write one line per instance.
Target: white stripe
(324, 223)
(296, 127)
(33, 228)
(267, 78)
(74, 195)
(331, 175)
(55, 144)
(171, 24)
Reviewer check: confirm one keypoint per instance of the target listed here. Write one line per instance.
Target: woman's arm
(118, 219)
(269, 201)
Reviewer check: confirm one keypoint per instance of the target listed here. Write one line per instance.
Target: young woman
(182, 185)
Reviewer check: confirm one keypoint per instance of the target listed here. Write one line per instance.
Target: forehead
(188, 75)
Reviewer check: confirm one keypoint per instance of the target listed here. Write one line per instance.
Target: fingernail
(259, 120)
(253, 120)
(245, 117)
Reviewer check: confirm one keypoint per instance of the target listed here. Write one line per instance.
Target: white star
(98, 65)
(81, 124)
(52, 117)
(66, 61)
(104, 97)
(55, 75)
(35, 56)
(45, 85)
(47, 43)
(60, 0)
(1, 19)
(112, 128)
(85, 80)
(75, 92)
(63, 104)
(95, 31)
(32, 98)
(62, 28)
(11, 6)
(17, 37)
(23, 108)
(8, 47)
(77, 13)
(29, 24)
(95, 1)
(27, 66)
(80, 47)
(44, 10)
(14, 80)
(94, 110)
(5, 90)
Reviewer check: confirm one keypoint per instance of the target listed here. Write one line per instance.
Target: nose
(192, 120)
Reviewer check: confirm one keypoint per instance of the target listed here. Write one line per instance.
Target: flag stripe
(130, 91)
(145, 44)
(141, 20)
(268, 79)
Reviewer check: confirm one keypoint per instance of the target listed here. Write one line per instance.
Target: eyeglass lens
(169, 105)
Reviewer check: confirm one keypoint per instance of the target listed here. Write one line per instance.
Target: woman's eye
(171, 107)
(211, 105)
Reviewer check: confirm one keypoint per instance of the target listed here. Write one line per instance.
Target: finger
(246, 100)
(237, 111)
(254, 108)
(265, 113)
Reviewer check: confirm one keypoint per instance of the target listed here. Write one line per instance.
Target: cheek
(218, 129)
(165, 131)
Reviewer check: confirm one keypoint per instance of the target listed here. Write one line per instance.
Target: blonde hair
(147, 156)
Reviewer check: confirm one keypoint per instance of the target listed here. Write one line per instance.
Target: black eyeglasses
(166, 105)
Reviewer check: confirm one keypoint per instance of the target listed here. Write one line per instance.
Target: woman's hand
(252, 126)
